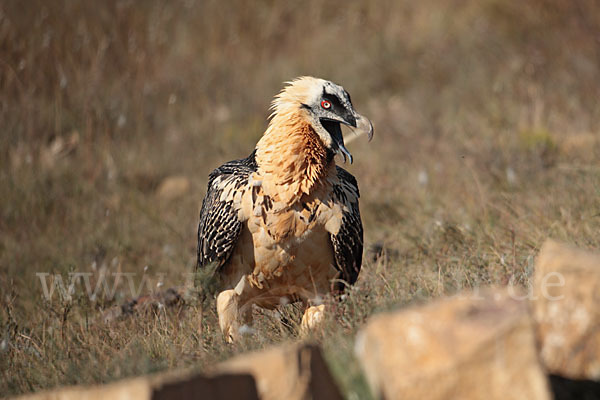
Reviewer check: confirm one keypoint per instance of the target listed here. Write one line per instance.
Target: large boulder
(288, 372)
(566, 309)
(170, 386)
(472, 346)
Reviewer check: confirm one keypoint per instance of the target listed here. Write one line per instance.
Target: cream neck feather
(292, 160)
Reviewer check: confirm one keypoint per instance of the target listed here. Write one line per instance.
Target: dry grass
(487, 124)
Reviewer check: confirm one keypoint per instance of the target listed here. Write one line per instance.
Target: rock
(173, 187)
(222, 387)
(582, 146)
(566, 309)
(295, 371)
(290, 372)
(470, 347)
(161, 387)
(60, 147)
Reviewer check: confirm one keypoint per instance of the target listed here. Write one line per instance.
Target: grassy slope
(486, 116)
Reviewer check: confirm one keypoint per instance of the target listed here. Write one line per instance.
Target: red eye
(325, 104)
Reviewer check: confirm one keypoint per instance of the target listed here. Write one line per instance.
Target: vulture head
(325, 106)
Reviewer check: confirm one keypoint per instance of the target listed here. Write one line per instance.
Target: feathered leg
(234, 310)
(228, 309)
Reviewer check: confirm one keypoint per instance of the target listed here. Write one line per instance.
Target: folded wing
(220, 226)
(348, 242)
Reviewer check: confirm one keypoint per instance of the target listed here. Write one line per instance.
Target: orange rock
(161, 387)
(476, 346)
(291, 372)
(566, 309)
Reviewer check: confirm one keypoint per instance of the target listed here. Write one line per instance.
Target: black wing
(348, 243)
(219, 225)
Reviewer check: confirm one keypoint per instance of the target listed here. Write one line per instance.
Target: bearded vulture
(283, 224)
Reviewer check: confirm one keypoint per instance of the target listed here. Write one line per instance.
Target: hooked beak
(359, 124)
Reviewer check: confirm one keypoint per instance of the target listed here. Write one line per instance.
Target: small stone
(173, 187)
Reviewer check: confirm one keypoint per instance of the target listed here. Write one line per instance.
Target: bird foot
(313, 316)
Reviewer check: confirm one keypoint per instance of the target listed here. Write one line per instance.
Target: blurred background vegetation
(486, 113)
